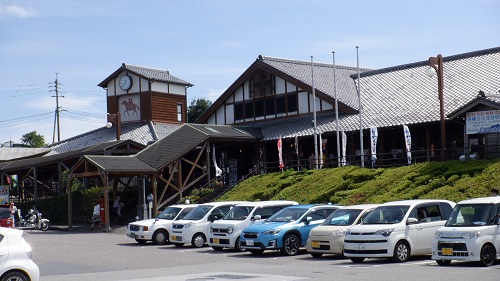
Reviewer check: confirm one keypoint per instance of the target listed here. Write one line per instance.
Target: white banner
(344, 145)
(408, 143)
(482, 122)
(280, 153)
(218, 171)
(374, 137)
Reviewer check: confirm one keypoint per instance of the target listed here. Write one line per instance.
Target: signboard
(4, 194)
(129, 107)
(482, 122)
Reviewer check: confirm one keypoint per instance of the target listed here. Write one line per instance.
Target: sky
(207, 43)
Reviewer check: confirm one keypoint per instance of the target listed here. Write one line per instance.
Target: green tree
(32, 139)
(197, 108)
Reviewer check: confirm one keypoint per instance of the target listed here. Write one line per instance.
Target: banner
(344, 144)
(280, 154)
(218, 171)
(408, 143)
(374, 137)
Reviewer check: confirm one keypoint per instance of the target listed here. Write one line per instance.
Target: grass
(452, 180)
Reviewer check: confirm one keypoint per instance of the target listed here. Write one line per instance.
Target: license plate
(315, 244)
(447, 251)
(249, 242)
(216, 240)
(360, 247)
(175, 238)
(132, 235)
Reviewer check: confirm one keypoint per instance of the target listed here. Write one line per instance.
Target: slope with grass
(452, 180)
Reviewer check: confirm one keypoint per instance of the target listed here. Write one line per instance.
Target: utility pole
(56, 117)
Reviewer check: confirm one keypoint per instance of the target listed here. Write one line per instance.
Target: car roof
(183, 205)
(361, 206)
(416, 202)
(309, 206)
(482, 200)
(216, 204)
(268, 203)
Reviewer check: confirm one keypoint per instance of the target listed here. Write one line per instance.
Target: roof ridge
(326, 64)
(145, 67)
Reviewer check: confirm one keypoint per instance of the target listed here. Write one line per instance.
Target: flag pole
(360, 114)
(336, 110)
(314, 114)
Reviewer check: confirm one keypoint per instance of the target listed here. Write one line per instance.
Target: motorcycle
(34, 220)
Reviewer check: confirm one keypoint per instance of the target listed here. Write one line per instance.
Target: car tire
(357, 259)
(316, 255)
(291, 245)
(256, 251)
(179, 245)
(237, 245)
(401, 251)
(141, 241)
(198, 240)
(160, 237)
(443, 262)
(488, 255)
(18, 276)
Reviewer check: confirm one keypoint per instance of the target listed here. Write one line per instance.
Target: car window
(342, 217)
(317, 214)
(386, 215)
(470, 215)
(238, 213)
(427, 213)
(365, 214)
(169, 213)
(287, 214)
(184, 212)
(4, 213)
(446, 209)
(266, 212)
(198, 213)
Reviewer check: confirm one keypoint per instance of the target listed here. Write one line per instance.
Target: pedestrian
(96, 216)
(116, 208)
(494, 192)
(13, 213)
(312, 162)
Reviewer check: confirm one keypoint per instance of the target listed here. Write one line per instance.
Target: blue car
(286, 230)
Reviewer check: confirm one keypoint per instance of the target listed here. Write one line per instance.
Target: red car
(5, 219)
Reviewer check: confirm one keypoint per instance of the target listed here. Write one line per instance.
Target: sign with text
(482, 122)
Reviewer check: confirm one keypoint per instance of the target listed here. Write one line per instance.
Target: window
(238, 111)
(179, 112)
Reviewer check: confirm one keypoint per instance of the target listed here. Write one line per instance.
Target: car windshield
(198, 213)
(471, 215)
(4, 213)
(386, 215)
(287, 214)
(342, 217)
(238, 213)
(169, 213)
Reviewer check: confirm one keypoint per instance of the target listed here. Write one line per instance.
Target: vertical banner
(280, 156)
(344, 145)
(374, 137)
(218, 171)
(4, 194)
(408, 143)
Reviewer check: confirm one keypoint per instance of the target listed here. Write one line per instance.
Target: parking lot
(93, 255)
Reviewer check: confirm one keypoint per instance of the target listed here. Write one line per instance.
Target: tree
(197, 108)
(32, 139)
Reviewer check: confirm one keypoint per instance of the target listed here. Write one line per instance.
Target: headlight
(188, 225)
(438, 235)
(471, 234)
(384, 232)
(272, 231)
(229, 230)
(340, 232)
(348, 232)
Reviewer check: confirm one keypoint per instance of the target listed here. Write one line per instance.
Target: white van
(193, 228)
(225, 233)
(397, 230)
(471, 233)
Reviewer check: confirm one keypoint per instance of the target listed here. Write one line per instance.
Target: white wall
(238, 94)
(220, 115)
(280, 85)
(211, 119)
(303, 105)
(229, 114)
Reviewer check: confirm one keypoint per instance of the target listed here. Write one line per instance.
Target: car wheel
(291, 245)
(141, 241)
(160, 237)
(256, 252)
(198, 240)
(443, 262)
(488, 255)
(316, 255)
(401, 252)
(357, 259)
(237, 245)
(179, 245)
(14, 276)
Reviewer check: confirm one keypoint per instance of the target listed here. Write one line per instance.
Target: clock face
(125, 82)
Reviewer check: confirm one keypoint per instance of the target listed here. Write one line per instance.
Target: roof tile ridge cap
(153, 130)
(145, 68)
(297, 61)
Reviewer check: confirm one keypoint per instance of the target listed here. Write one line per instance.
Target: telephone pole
(56, 117)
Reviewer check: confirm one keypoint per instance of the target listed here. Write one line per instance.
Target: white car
(397, 230)
(194, 227)
(156, 230)
(328, 238)
(471, 233)
(16, 257)
(225, 233)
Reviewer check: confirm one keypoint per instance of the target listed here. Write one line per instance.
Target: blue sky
(207, 43)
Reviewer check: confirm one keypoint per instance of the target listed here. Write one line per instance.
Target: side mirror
(411, 221)
(257, 217)
(308, 220)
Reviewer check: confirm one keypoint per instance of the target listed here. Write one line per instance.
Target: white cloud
(16, 11)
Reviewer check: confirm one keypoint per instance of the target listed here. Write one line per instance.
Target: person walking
(13, 213)
(96, 216)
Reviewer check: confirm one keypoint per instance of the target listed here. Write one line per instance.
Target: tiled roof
(156, 74)
(122, 164)
(323, 77)
(12, 153)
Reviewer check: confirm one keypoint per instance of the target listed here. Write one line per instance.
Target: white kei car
(157, 229)
(16, 257)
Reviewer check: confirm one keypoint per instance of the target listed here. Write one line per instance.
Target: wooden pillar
(106, 202)
(154, 185)
(70, 202)
(59, 176)
(35, 183)
(207, 163)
